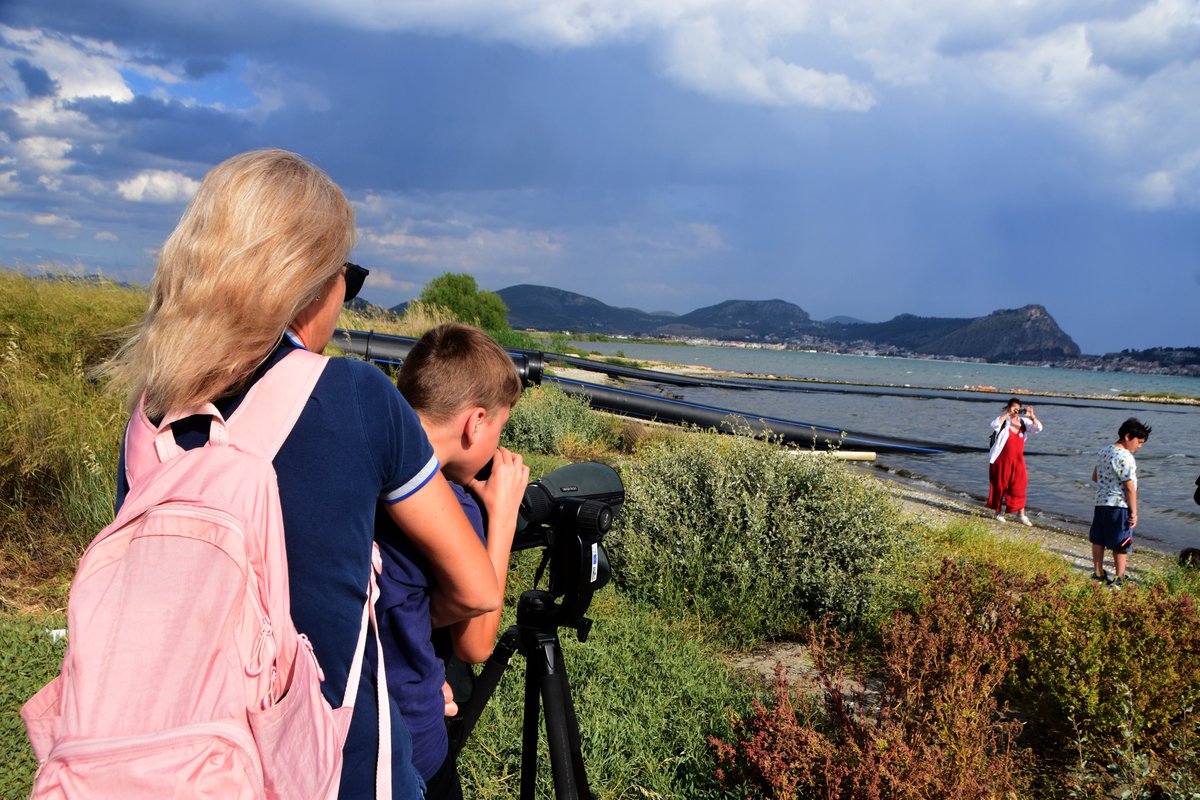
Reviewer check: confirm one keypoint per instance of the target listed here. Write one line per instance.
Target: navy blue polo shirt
(415, 673)
(356, 443)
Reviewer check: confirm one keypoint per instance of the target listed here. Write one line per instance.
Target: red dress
(1007, 477)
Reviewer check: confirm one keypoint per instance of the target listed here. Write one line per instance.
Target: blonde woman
(257, 267)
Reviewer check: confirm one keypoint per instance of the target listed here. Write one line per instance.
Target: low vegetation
(930, 725)
(727, 530)
(944, 663)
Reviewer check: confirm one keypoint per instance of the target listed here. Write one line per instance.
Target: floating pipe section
(388, 349)
(681, 412)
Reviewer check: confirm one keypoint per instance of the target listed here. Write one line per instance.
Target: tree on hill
(461, 295)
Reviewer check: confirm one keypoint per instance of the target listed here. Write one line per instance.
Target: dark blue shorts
(1110, 528)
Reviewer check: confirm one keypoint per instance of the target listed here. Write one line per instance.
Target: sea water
(928, 400)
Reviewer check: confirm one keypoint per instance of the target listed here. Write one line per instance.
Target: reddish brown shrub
(930, 727)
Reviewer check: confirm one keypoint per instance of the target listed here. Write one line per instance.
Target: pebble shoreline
(940, 508)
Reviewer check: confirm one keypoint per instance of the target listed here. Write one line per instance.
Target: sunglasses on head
(355, 277)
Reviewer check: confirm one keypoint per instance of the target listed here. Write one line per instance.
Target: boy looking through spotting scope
(463, 386)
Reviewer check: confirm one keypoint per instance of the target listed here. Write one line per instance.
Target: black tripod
(536, 637)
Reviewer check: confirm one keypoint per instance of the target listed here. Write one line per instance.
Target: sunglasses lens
(355, 277)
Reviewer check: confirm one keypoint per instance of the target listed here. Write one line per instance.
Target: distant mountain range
(1022, 334)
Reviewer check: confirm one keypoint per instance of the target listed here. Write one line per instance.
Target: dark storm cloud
(201, 67)
(183, 29)
(37, 81)
(518, 118)
(601, 165)
(155, 129)
(1179, 46)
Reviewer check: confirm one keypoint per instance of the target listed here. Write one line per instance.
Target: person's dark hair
(1189, 557)
(1135, 428)
(1012, 401)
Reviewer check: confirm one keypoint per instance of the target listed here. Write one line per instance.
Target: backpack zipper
(266, 637)
(227, 731)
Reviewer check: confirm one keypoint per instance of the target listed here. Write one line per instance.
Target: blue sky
(863, 157)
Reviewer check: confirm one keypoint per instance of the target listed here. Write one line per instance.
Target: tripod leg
(572, 726)
(529, 734)
(485, 687)
(562, 727)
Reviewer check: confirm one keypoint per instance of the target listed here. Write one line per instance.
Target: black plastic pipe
(384, 348)
(681, 412)
(388, 349)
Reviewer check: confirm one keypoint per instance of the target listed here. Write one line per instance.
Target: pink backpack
(184, 675)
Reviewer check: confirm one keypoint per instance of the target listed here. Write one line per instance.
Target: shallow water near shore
(927, 400)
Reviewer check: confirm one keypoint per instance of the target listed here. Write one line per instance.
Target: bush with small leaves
(547, 420)
(753, 538)
(1104, 671)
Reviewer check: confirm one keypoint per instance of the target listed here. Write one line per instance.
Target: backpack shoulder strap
(262, 421)
(271, 407)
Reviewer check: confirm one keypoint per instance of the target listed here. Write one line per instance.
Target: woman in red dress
(1007, 478)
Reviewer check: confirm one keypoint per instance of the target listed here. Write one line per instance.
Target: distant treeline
(1166, 356)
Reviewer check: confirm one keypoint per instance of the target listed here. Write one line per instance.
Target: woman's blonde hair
(264, 234)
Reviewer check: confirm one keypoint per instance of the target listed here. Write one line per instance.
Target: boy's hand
(502, 492)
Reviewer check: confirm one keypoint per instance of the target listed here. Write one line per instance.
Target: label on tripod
(595, 561)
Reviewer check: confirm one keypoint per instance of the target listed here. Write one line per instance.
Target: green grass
(1159, 396)
(647, 691)
(28, 659)
(972, 542)
(619, 361)
(59, 431)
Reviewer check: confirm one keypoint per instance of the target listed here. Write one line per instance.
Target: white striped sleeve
(414, 483)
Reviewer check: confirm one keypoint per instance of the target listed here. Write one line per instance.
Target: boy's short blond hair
(454, 367)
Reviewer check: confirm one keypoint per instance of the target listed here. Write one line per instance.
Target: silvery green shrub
(752, 537)
(546, 417)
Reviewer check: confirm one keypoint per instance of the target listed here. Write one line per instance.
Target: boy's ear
(472, 419)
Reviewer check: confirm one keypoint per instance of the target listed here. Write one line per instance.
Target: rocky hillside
(1023, 334)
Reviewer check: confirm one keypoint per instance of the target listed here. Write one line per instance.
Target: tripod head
(567, 512)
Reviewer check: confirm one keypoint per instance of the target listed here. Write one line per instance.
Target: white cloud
(1156, 191)
(9, 183)
(708, 236)
(702, 56)
(80, 66)
(105, 236)
(463, 249)
(43, 153)
(15, 235)
(55, 220)
(728, 49)
(277, 89)
(1158, 35)
(158, 186)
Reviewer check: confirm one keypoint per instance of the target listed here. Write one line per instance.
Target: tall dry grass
(59, 430)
